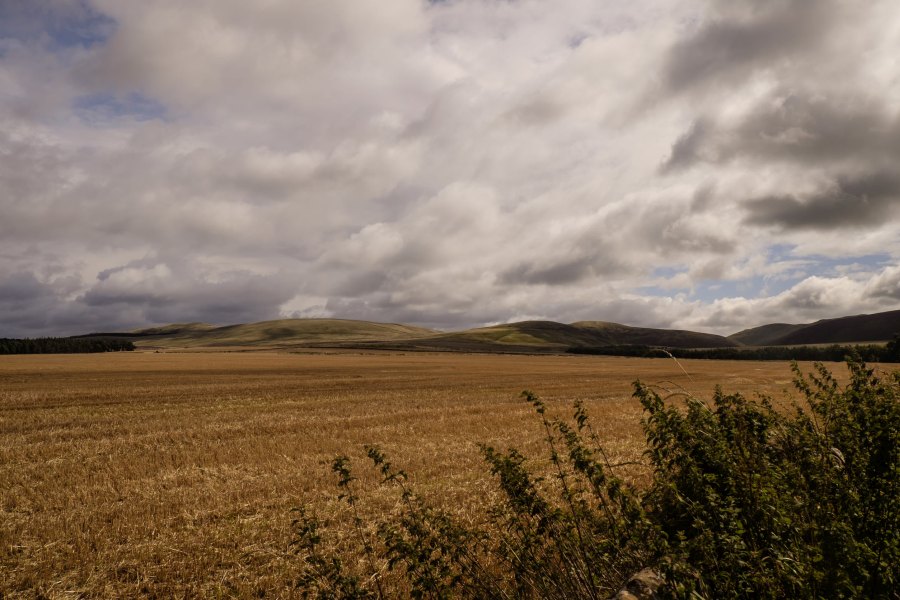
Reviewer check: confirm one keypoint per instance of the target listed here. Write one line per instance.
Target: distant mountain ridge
(877, 327)
(524, 336)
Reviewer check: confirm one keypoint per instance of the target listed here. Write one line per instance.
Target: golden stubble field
(174, 474)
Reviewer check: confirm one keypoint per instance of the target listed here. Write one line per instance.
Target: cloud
(849, 202)
(138, 292)
(809, 300)
(728, 46)
(160, 293)
(886, 285)
(796, 127)
(449, 164)
(746, 36)
(33, 307)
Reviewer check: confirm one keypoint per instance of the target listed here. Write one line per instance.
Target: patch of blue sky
(668, 272)
(660, 292)
(102, 108)
(752, 287)
(801, 267)
(93, 30)
(796, 268)
(61, 27)
(709, 291)
(780, 252)
(816, 264)
(826, 266)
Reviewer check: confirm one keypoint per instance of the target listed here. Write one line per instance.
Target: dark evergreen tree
(64, 345)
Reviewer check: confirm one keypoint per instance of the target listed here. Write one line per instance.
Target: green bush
(745, 501)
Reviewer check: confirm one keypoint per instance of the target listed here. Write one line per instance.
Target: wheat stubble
(173, 474)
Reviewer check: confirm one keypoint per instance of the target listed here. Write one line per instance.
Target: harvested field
(173, 474)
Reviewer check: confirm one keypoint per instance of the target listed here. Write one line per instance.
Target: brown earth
(174, 474)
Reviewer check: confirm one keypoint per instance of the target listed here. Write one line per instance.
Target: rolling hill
(550, 336)
(174, 329)
(878, 327)
(615, 334)
(765, 335)
(524, 336)
(278, 333)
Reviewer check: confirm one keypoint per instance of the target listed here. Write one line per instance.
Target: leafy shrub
(753, 503)
(745, 501)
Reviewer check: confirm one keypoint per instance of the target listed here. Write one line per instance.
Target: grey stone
(641, 586)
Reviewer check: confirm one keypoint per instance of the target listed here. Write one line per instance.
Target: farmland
(174, 474)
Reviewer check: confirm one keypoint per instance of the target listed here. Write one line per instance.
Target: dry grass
(173, 474)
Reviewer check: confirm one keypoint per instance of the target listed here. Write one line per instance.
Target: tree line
(889, 353)
(51, 345)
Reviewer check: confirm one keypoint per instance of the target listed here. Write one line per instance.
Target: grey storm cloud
(142, 291)
(445, 163)
(163, 292)
(745, 35)
(30, 307)
(690, 148)
(798, 127)
(848, 202)
(18, 290)
(559, 273)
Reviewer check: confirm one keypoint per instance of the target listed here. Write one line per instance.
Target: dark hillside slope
(765, 335)
(175, 328)
(615, 334)
(550, 336)
(526, 336)
(879, 327)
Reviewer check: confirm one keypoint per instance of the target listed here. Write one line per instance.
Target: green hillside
(281, 332)
(549, 336)
(524, 336)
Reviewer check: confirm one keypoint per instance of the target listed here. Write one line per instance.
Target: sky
(704, 164)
